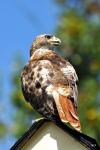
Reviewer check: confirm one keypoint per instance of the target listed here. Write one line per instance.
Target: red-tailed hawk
(49, 82)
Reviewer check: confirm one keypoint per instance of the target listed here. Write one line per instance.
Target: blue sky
(20, 22)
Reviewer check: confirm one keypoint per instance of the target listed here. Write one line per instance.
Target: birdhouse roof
(83, 139)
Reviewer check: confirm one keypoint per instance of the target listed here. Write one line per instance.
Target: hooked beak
(54, 41)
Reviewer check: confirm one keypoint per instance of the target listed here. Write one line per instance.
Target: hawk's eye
(48, 36)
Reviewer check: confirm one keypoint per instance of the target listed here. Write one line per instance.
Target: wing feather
(67, 110)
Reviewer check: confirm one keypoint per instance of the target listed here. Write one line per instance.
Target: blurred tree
(3, 127)
(79, 29)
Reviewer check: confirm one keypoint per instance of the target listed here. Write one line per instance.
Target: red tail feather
(69, 112)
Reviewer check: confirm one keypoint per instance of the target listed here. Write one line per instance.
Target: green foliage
(3, 129)
(3, 126)
(79, 30)
(81, 45)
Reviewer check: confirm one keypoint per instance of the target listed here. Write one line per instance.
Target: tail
(67, 111)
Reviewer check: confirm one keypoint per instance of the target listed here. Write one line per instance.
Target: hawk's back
(45, 72)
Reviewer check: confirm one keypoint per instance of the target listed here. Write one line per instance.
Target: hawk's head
(45, 41)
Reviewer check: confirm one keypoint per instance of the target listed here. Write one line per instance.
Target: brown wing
(67, 110)
(65, 94)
